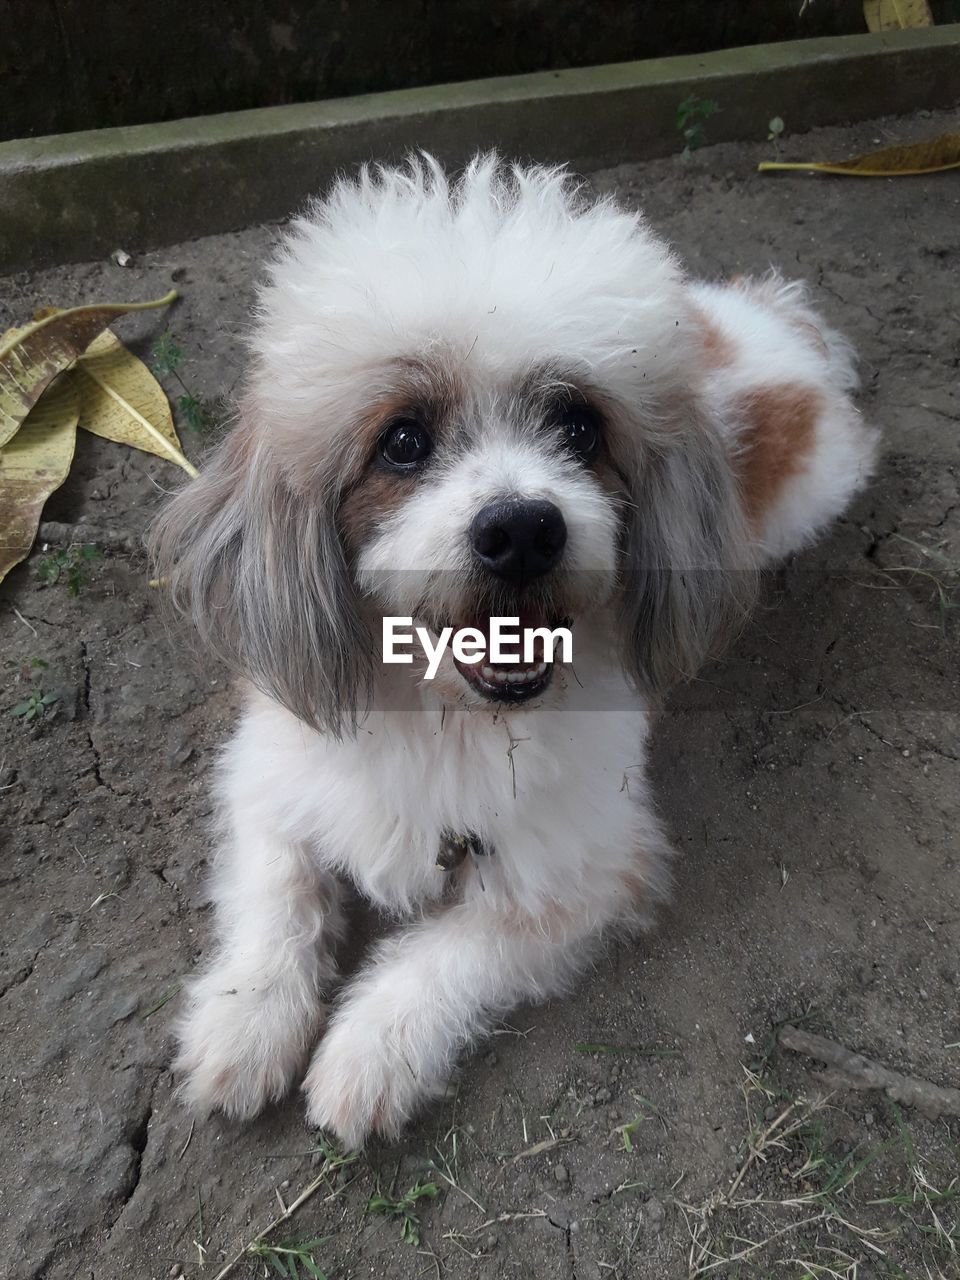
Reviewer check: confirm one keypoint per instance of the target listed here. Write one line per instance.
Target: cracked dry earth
(810, 781)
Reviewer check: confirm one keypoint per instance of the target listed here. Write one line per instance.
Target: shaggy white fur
(504, 320)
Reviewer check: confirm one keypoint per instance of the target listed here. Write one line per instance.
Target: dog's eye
(580, 431)
(405, 443)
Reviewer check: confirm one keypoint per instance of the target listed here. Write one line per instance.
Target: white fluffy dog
(472, 399)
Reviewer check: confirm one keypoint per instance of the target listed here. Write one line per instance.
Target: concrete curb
(75, 196)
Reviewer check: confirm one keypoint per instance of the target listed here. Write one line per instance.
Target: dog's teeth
(488, 673)
(541, 669)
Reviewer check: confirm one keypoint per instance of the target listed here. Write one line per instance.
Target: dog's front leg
(428, 991)
(254, 1013)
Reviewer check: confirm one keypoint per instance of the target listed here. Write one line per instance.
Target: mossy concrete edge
(75, 196)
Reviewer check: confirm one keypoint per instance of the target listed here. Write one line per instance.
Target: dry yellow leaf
(31, 358)
(896, 15)
(34, 463)
(121, 400)
(932, 156)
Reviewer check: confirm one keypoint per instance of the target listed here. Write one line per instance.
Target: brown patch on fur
(554, 921)
(636, 888)
(718, 349)
(777, 436)
(425, 391)
(809, 330)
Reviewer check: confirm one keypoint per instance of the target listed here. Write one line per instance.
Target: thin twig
(857, 1072)
(24, 620)
(288, 1213)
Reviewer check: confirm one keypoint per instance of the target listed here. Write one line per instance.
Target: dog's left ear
(688, 579)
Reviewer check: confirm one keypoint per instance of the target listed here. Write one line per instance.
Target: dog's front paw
(365, 1079)
(241, 1047)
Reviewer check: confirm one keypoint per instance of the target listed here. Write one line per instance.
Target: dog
(472, 398)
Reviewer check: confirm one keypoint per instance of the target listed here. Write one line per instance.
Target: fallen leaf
(31, 358)
(121, 400)
(32, 465)
(933, 156)
(896, 15)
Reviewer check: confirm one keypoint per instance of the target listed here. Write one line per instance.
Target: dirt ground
(810, 781)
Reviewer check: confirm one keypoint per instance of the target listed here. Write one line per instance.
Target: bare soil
(810, 781)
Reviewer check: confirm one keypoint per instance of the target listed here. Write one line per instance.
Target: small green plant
(36, 706)
(940, 570)
(776, 128)
(286, 1259)
(626, 1131)
(167, 358)
(404, 1210)
(72, 564)
(692, 114)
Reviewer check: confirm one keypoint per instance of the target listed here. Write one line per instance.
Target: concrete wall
(84, 64)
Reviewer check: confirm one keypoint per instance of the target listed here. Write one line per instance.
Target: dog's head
(465, 400)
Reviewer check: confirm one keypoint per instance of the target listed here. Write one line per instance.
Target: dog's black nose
(518, 539)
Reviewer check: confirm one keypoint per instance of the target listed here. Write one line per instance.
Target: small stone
(175, 1270)
(284, 1184)
(179, 750)
(770, 1113)
(490, 1241)
(868, 1118)
(561, 1174)
(602, 1096)
(655, 1214)
(121, 257)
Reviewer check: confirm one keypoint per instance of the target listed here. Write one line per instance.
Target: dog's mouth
(514, 681)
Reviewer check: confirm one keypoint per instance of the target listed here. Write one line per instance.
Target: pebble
(868, 1118)
(770, 1113)
(655, 1214)
(490, 1241)
(602, 1096)
(561, 1174)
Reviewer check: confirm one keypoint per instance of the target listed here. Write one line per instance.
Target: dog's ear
(688, 577)
(260, 572)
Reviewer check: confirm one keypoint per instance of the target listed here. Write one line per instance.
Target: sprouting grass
(798, 1205)
(626, 1131)
(35, 707)
(404, 1209)
(167, 996)
(939, 570)
(70, 564)
(692, 114)
(292, 1259)
(167, 357)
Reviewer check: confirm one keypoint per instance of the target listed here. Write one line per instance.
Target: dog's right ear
(260, 572)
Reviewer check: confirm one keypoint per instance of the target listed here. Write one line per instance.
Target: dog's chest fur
(555, 793)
